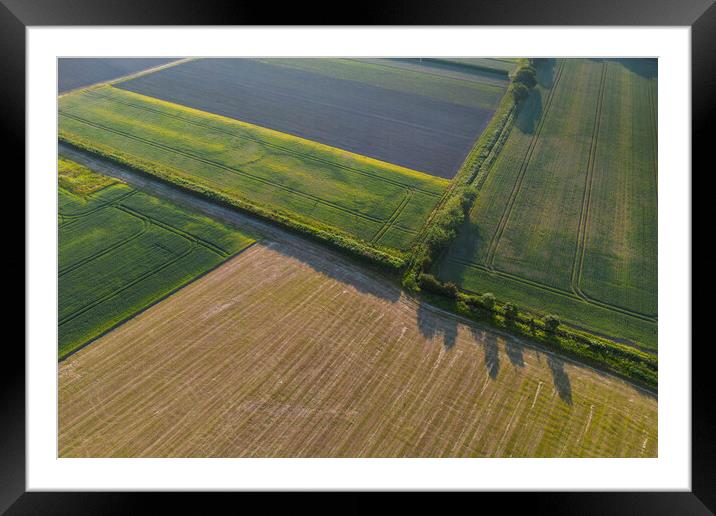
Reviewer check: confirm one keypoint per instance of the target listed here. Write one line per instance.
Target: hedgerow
(442, 227)
(622, 360)
(389, 260)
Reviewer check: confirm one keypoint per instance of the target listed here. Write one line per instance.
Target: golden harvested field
(283, 352)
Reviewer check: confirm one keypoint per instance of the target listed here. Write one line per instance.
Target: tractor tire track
(204, 243)
(579, 251)
(494, 241)
(280, 148)
(554, 290)
(389, 223)
(578, 264)
(99, 254)
(238, 172)
(109, 295)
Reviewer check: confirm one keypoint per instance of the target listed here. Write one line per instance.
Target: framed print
(418, 253)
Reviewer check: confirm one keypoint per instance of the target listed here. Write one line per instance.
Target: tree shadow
(530, 112)
(340, 268)
(644, 67)
(560, 378)
(491, 349)
(545, 71)
(514, 353)
(431, 325)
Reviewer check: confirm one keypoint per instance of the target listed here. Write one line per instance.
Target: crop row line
(65, 222)
(549, 288)
(224, 167)
(189, 236)
(579, 251)
(102, 252)
(384, 229)
(494, 241)
(260, 141)
(654, 129)
(142, 277)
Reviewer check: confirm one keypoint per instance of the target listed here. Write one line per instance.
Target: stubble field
(288, 352)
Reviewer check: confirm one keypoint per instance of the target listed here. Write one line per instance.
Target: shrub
(451, 290)
(432, 284)
(488, 300)
(510, 311)
(410, 283)
(526, 75)
(472, 301)
(520, 92)
(551, 323)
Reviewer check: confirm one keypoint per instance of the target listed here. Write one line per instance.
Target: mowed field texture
(566, 221)
(80, 72)
(120, 250)
(419, 117)
(289, 352)
(373, 201)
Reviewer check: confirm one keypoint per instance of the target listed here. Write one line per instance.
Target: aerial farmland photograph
(357, 258)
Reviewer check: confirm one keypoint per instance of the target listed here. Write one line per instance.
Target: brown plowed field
(282, 352)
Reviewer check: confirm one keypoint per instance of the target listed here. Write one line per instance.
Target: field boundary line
(579, 251)
(531, 343)
(224, 167)
(109, 295)
(156, 301)
(98, 254)
(128, 77)
(261, 141)
(480, 178)
(494, 241)
(393, 217)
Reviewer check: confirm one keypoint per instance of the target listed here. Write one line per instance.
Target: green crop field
(121, 250)
(382, 204)
(566, 221)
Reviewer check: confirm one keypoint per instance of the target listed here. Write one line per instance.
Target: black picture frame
(17, 15)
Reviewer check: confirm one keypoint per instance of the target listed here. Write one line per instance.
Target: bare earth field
(423, 121)
(84, 71)
(283, 352)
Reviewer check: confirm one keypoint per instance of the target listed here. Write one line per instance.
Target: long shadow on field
(514, 353)
(530, 113)
(648, 68)
(491, 350)
(340, 270)
(560, 378)
(545, 71)
(432, 326)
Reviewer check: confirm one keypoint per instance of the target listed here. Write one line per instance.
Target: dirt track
(287, 351)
